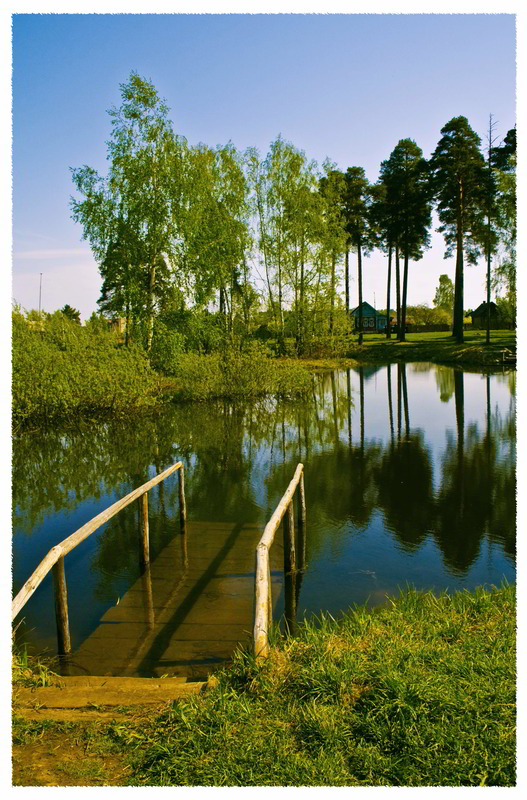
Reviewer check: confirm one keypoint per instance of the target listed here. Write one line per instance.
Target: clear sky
(346, 86)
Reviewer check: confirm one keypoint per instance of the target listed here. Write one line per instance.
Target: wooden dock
(188, 612)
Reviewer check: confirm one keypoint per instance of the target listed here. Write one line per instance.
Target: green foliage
(167, 346)
(238, 374)
(420, 692)
(62, 370)
(71, 313)
(460, 183)
(422, 314)
(506, 310)
(31, 670)
(444, 296)
(131, 216)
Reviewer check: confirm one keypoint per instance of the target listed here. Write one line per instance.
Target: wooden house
(479, 317)
(372, 321)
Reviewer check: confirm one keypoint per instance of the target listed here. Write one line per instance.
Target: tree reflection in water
(239, 458)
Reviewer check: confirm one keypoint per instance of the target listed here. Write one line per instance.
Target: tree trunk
(127, 325)
(403, 304)
(347, 281)
(388, 328)
(359, 265)
(398, 290)
(302, 311)
(332, 298)
(151, 286)
(489, 259)
(458, 287)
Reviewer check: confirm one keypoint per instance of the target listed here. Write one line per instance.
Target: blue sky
(346, 86)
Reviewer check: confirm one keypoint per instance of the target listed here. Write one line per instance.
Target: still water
(409, 479)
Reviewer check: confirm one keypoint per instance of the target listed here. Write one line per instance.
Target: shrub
(61, 369)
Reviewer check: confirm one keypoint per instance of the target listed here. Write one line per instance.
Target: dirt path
(60, 730)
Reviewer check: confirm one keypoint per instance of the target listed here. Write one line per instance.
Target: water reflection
(409, 476)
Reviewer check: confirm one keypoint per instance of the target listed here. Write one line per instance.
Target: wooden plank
(124, 631)
(220, 612)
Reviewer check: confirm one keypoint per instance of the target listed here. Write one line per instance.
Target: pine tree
(458, 180)
(408, 207)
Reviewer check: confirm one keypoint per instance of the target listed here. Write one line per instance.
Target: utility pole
(40, 296)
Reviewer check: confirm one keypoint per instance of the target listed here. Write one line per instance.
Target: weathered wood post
(60, 591)
(302, 503)
(289, 540)
(182, 504)
(289, 568)
(301, 499)
(261, 608)
(143, 528)
(263, 594)
(269, 594)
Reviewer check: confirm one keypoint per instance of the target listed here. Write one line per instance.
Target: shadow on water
(409, 477)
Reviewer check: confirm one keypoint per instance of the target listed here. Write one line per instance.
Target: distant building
(479, 317)
(371, 319)
(118, 324)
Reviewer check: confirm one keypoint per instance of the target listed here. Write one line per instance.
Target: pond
(409, 479)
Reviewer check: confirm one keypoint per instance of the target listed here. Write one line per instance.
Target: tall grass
(61, 370)
(238, 374)
(418, 693)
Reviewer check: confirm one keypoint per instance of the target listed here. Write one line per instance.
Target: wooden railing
(263, 606)
(54, 560)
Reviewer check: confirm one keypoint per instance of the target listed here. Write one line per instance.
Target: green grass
(420, 692)
(436, 347)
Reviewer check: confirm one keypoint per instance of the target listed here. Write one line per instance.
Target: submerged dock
(188, 612)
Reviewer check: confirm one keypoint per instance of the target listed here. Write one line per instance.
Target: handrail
(263, 591)
(55, 557)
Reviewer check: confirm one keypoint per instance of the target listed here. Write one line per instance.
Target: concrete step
(92, 692)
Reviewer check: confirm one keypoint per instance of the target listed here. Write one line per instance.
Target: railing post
(289, 540)
(60, 590)
(289, 568)
(261, 606)
(301, 499)
(143, 525)
(182, 503)
(302, 503)
(269, 595)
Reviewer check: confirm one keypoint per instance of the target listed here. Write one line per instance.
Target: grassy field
(436, 347)
(420, 692)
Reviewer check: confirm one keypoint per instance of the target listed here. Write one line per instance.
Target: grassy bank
(418, 693)
(439, 348)
(63, 371)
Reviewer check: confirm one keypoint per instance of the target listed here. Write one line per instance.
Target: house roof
(482, 309)
(367, 309)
